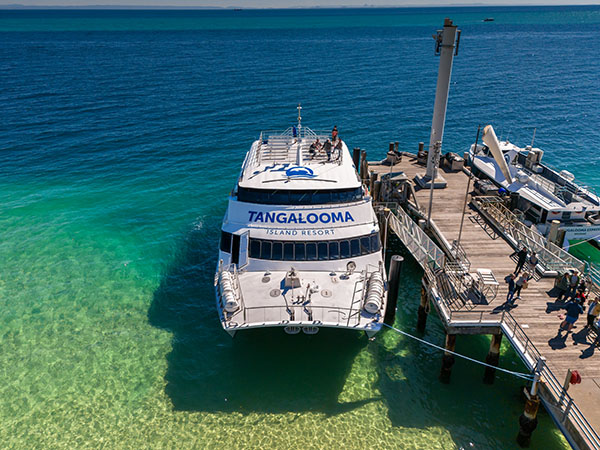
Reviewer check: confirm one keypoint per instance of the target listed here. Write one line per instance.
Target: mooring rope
(524, 376)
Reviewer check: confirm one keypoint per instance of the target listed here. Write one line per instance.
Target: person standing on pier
(573, 283)
(593, 311)
(574, 309)
(521, 258)
(510, 279)
(533, 260)
(521, 283)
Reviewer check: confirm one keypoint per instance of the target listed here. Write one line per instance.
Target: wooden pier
(531, 327)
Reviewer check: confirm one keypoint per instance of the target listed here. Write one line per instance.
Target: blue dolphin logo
(303, 172)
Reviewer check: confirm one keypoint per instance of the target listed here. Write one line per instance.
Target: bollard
(422, 312)
(448, 359)
(391, 147)
(394, 283)
(493, 357)
(421, 146)
(356, 158)
(528, 420)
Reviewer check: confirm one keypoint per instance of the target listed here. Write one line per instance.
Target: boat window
(254, 248)
(265, 250)
(300, 251)
(355, 247)
(323, 248)
(365, 245)
(277, 251)
(334, 250)
(311, 251)
(375, 245)
(298, 197)
(288, 251)
(225, 242)
(345, 249)
(314, 250)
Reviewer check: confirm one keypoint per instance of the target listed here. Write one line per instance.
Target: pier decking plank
(536, 311)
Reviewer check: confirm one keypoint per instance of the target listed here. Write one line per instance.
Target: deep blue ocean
(121, 135)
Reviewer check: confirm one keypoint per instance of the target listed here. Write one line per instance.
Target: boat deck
(537, 311)
(323, 299)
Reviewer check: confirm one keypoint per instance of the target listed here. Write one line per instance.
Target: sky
(289, 3)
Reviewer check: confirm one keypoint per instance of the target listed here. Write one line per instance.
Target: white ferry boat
(544, 194)
(300, 246)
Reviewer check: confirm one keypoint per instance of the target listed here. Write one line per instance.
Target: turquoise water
(122, 135)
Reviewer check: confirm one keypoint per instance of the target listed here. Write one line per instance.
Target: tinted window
(225, 242)
(265, 251)
(277, 251)
(254, 248)
(323, 251)
(354, 247)
(300, 252)
(365, 245)
(311, 251)
(288, 251)
(345, 249)
(375, 243)
(334, 250)
(300, 197)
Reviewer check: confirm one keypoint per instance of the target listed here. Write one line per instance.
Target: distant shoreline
(238, 8)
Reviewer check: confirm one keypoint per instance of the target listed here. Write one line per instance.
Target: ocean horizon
(122, 136)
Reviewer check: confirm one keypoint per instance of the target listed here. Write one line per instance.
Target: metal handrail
(424, 250)
(559, 397)
(550, 255)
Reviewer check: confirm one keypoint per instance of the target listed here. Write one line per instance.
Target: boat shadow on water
(261, 370)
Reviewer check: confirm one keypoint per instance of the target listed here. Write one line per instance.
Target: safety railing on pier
(424, 250)
(445, 286)
(551, 256)
(555, 396)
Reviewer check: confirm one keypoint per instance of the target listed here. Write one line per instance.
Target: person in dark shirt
(574, 309)
(510, 279)
(522, 257)
(334, 133)
(327, 148)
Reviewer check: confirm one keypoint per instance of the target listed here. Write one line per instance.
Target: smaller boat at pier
(539, 193)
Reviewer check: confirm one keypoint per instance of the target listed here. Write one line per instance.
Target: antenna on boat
(299, 151)
(533, 138)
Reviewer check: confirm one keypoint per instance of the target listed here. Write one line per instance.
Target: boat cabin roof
(287, 161)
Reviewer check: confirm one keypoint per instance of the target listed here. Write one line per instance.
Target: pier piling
(356, 158)
(493, 357)
(448, 359)
(394, 282)
(422, 312)
(528, 420)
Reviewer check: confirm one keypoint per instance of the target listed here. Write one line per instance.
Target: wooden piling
(356, 158)
(394, 283)
(448, 359)
(376, 190)
(363, 165)
(422, 312)
(528, 420)
(493, 357)
(372, 179)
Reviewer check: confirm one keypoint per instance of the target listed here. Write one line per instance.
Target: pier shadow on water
(261, 370)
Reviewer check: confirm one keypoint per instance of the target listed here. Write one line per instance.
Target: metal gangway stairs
(443, 277)
(552, 258)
